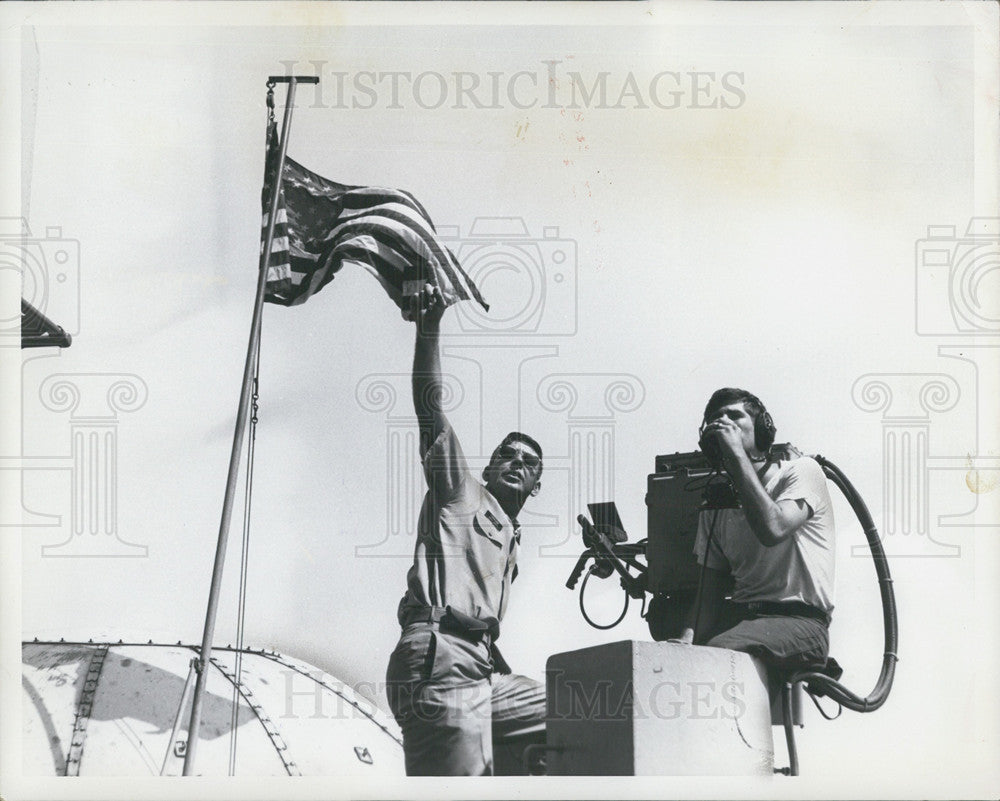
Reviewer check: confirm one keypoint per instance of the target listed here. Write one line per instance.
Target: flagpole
(202, 661)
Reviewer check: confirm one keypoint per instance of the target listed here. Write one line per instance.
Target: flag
(322, 225)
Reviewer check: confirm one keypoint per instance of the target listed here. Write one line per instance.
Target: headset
(764, 429)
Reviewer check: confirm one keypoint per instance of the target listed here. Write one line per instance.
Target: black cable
(583, 610)
(816, 703)
(819, 684)
(701, 576)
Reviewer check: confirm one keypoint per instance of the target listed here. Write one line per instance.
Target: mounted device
(683, 485)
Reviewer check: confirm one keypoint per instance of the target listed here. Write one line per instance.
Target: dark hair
(517, 436)
(763, 424)
(726, 395)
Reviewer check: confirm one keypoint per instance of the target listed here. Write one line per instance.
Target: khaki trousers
(450, 705)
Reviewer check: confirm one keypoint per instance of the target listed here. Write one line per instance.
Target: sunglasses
(509, 453)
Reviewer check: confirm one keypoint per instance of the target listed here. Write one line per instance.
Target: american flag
(322, 225)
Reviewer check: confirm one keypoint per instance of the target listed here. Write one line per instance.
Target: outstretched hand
(423, 305)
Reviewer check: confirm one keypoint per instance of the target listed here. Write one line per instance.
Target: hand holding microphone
(719, 438)
(710, 443)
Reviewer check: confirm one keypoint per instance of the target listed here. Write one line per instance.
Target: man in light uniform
(447, 685)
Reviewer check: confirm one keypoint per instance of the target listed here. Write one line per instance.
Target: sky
(657, 201)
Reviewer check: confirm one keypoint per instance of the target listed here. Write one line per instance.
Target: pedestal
(657, 709)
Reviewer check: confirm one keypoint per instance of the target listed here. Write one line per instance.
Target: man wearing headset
(446, 683)
(778, 547)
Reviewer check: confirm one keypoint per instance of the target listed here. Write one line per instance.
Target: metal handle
(581, 563)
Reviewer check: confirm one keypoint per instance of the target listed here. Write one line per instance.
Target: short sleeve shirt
(466, 550)
(800, 567)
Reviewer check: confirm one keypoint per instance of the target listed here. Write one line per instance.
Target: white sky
(770, 245)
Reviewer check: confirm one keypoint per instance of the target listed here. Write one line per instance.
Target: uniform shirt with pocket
(466, 549)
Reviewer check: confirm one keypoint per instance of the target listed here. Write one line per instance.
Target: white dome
(100, 709)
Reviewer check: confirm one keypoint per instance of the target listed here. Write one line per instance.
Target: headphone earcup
(764, 431)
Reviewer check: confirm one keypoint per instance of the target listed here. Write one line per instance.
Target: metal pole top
(293, 78)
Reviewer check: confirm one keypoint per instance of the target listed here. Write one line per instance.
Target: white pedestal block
(657, 708)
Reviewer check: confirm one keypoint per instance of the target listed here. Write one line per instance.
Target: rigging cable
(244, 561)
(248, 495)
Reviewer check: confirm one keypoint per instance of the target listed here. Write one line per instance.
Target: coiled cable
(583, 610)
(819, 684)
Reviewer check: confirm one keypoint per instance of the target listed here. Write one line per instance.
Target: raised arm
(427, 385)
(771, 521)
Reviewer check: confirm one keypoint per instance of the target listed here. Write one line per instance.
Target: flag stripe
(420, 242)
(320, 225)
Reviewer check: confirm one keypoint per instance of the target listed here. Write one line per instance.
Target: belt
(786, 609)
(454, 622)
(422, 614)
(469, 628)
